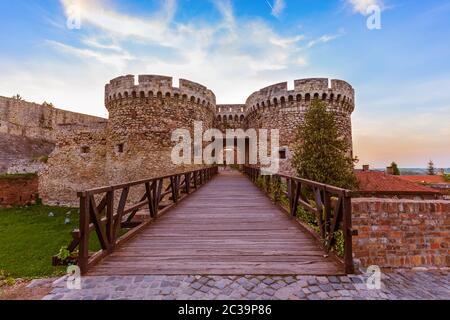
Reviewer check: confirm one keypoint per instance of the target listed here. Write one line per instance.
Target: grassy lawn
(29, 238)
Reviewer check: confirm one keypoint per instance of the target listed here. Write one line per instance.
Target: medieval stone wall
(36, 121)
(77, 163)
(230, 116)
(29, 130)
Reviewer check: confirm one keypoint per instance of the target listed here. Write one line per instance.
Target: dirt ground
(20, 291)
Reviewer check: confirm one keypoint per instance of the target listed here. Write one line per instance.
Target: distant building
(385, 185)
(436, 182)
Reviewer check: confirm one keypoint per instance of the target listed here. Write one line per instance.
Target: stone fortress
(135, 142)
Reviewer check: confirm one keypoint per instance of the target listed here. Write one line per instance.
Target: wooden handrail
(134, 183)
(330, 205)
(107, 219)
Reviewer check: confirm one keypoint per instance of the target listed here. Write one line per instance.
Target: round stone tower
(142, 118)
(276, 107)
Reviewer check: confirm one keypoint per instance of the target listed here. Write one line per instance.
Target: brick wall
(402, 233)
(15, 191)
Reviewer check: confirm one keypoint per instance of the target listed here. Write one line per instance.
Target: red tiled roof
(424, 179)
(374, 181)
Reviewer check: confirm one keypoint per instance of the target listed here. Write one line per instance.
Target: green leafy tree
(321, 153)
(431, 170)
(395, 168)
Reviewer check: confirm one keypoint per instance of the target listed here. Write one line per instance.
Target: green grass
(15, 176)
(29, 238)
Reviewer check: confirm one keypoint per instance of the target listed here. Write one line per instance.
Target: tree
(321, 154)
(48, 104)
(17, 97)
(431, 170)
(447, 177)
(395, 168)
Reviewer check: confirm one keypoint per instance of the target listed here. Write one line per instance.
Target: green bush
(308, 217)
(6, 279)
(42, 159)
(339, 245)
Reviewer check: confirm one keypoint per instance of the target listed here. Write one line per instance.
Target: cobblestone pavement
(395, 286)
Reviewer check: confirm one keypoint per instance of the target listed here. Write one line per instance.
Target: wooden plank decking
(228, 227)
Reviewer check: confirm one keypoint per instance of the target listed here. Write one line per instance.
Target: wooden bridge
(212, 223)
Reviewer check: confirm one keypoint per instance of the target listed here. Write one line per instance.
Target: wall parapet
(395, 233)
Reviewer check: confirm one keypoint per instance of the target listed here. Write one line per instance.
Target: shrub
(321, 153)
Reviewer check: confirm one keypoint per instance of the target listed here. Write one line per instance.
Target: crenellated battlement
(337, 93)
(160, 87)
(228, 113)
(230, 108)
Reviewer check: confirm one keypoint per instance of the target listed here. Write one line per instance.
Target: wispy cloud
(116, 60)
(361, 6)
(277, 7)
(326, 38)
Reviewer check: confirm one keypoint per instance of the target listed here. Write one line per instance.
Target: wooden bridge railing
(330, 206)
(99, 213)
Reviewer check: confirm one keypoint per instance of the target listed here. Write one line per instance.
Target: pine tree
(431, 170)
(395, 168)
(321, 154)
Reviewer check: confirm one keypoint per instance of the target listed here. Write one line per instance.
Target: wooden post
(83, 256)
(148, 192)
(174, 185)
(327, 205)
(347, 225)
(195, 179)
(110, 232)
(187, 182)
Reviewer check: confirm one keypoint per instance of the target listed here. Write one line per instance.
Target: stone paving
(395, 286)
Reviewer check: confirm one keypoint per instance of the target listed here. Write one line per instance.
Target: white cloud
(232, 56)
(251, 46)
(361, 6)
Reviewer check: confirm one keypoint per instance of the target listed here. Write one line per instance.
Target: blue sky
(401, 73)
